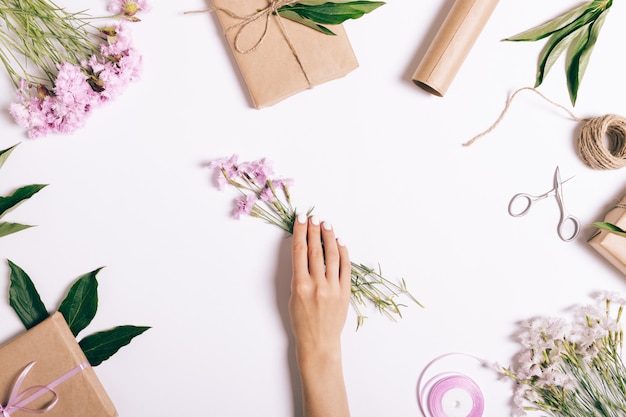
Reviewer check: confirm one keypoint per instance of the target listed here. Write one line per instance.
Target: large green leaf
(81, 302)
(575, 31)
(609, 227)
(21, 194)
(7, 228)
(4, 154)
(291, 15)
(24, 298)
(546, 29)
(558, 43)
(332, 13)
(579, 54)
(100, 346)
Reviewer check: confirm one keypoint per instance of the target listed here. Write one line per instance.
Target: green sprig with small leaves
(318, 13)
(78, 308)
(576, 32)
(9, 202)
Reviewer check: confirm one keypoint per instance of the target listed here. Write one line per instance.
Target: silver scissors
(557, 191)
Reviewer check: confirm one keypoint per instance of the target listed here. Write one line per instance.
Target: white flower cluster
(572, 367)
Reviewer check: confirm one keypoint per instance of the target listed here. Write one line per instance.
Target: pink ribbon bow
(18, 400)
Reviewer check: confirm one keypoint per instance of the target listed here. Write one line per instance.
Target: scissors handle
(524, 202)
(568, 227)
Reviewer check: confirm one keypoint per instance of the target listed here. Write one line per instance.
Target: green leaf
(558, 43)
(7, 228)
(579, 54)
(609, 227)
(21, 194)
(4, 154)
(293, 16)
(331, 13)
(81, 302)
(548, 56)
(24, 298)
(100, 346)
(546, 29)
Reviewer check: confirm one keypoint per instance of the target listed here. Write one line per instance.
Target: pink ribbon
(435, 389)
(18, 400)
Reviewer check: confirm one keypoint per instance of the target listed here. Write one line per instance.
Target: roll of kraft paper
(452, 44)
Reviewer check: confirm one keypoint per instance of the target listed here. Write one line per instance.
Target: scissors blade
(557, 181)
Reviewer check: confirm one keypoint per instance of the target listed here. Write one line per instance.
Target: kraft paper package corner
(57, 362)
(278, 58)
(610, 245)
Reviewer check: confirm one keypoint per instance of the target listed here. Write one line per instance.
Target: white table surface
(377, 156)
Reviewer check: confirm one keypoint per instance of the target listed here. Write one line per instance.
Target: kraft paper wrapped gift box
(278, 57)
(48, 355)
(610, 245)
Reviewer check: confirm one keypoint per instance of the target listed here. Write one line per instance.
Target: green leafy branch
(317, 13)
(78, 308)
(610, 227)
(7, 203)
(576, 32)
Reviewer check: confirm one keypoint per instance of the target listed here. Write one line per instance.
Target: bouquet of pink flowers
(267, 197)
(63, 66)
(572, 368)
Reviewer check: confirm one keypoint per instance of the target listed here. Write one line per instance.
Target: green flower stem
(45, 34)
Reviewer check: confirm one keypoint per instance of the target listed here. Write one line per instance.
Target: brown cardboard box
(53, 348)
(610, 245)
(277, 57)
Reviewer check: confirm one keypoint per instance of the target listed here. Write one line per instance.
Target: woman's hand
(320, 295)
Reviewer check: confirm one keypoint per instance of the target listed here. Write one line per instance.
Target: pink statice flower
(259, 171)
(79, 88)
(62, 111)
(129, 8)
(244, 205)
(227, 169)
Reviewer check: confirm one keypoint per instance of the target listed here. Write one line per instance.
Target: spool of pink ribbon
(450, 394)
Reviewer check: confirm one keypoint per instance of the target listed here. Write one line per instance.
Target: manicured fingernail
(301, 218)
(327, 226)
(315, 220)
(340, 242)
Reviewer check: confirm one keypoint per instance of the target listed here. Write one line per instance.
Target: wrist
(328, 354)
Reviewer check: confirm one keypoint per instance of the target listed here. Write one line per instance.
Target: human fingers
(345, 268)
(331, 253)
(315, 249)
(299, 247)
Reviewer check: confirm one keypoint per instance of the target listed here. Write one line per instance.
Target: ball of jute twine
(602, 139)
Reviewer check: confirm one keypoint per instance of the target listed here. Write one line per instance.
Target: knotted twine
(591, 142)
(265, 14)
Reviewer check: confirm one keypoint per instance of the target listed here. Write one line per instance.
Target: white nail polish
(340, 242)
(301, 218)
(327, 226)
(315, 220)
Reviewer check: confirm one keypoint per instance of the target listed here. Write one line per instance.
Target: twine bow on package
(610, 245)
(44, 371)
(277, 57)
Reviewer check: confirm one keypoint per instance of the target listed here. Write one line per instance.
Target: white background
(378, 157)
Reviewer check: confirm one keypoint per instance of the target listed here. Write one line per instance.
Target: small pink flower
(230, 166)
(244, 206)
(118, 40)
(128, 8)
(259, 170)
(283, 183)
(267, 194)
